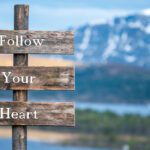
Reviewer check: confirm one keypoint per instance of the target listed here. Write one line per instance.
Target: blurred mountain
(124, 40)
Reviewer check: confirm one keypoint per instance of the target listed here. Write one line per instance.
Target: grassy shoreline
(95, 129)
(7, 60)
(42, 136)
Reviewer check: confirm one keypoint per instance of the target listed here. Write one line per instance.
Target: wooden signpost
(36, 78)
(20, 78)
(34, 42)
(26, 113)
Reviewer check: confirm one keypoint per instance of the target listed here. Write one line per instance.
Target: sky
(62, 14)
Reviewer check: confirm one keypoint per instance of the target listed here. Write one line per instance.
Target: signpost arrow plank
(34, 42)
(36, 78)
(27, 113)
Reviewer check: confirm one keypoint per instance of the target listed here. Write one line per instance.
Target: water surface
(32, 145)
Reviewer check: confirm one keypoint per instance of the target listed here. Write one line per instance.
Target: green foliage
(107, 129)
(110, 123)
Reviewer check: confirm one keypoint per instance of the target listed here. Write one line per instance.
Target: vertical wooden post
(21, 21)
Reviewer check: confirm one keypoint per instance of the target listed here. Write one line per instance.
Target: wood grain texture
(47, 78)
(54, 42)
(52, 114)
(21, 22)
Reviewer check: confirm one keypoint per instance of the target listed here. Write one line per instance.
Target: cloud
(46, 18)
(146, 12)
(79, 12)
(65, 17)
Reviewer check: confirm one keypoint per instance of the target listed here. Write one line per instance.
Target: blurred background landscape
(112, 59)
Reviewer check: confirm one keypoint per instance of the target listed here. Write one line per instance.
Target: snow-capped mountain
(123, 40)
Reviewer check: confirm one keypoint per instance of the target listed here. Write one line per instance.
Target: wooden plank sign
(36, 78)
(21, 78)
(34, 42)
(23, 113)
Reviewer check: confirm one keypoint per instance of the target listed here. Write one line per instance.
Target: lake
(32, 145)
(118, 108)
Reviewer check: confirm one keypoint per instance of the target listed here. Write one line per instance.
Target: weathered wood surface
(54, 42)
(52, 114)
(46, 78)
(21, 22)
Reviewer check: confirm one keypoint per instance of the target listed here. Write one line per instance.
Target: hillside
(103, 83)
(123, 40)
